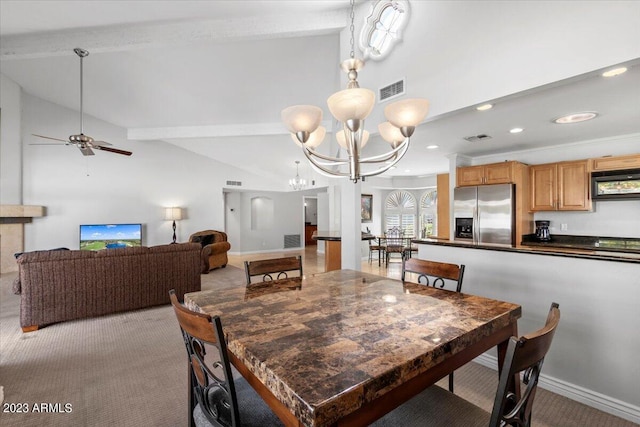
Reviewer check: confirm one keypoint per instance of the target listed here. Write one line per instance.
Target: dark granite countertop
(588, 252)
(335, 236)
(593, 243)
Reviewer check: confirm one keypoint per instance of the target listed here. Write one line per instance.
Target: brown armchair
(214, 248)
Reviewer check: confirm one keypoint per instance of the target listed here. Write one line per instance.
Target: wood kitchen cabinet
(562, 186)
(612, 163)
(493, 173)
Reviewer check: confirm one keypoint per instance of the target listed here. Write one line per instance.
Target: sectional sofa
(61, 285)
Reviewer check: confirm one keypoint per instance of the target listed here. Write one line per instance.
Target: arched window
(400, 211)
(428, 213)
(383, 28)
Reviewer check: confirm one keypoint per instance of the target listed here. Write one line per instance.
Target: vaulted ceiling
(213, 76)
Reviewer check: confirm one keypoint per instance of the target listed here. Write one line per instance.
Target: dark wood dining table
(346, 347)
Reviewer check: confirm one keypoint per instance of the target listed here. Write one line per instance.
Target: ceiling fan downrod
(81, 53)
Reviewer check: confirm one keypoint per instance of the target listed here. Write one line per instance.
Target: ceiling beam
(215, 131)
(127, 37)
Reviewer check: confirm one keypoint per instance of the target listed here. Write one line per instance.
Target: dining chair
(437, 407)
(433, 273)
(215, 397)
(274, 269)
(438, 272)
(394, 243)
(376, 245)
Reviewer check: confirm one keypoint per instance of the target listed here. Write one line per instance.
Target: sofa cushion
(207, 240)
(204, 240)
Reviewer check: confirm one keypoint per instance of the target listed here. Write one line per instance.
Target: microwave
(615, 185)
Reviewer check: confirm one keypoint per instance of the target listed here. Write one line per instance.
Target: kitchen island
(594, 356)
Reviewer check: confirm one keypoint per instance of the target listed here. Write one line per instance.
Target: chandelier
(351, 107)
(297, 183)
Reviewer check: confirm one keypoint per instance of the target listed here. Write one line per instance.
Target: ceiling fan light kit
(84, 142)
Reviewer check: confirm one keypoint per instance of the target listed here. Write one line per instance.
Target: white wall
(288, 219)
(10, 142)
(594, 354)
(109, 188)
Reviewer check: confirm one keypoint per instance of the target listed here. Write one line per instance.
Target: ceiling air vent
(236, 183)
(476, 138)
(392, 90)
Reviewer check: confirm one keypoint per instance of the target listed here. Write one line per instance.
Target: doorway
(310, 219)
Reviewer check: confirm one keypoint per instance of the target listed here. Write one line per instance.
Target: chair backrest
(210, 378)
(393, 232)
(268, 268)
(438, 271)
(512, 406)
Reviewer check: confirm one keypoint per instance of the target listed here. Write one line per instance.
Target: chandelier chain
(352, 28)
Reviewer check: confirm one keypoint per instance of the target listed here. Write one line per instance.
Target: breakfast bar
(346, 347)
(598, 289)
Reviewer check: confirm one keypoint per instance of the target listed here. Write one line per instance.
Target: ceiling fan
(84, 142)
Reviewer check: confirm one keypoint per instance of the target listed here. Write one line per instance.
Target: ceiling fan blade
(112, 150)
(86, 151)
(48, 137)
(101, 143)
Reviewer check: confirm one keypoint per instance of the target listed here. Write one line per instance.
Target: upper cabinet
(493, 173)
(615, 163)
(562, 186)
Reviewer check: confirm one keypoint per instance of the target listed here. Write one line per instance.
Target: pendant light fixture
(297, 183)
(351, 107)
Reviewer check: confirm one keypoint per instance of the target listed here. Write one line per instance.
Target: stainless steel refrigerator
(484, 214)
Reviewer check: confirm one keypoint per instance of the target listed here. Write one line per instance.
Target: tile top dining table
(346, 347)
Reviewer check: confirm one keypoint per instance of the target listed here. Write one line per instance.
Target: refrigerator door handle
(476, 226)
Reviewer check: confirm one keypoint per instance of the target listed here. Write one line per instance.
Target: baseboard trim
(579, 394)
(265, 251)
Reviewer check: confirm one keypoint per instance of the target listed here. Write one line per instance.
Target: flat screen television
(94, 237)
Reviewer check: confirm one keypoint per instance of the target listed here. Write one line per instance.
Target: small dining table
(346, 347)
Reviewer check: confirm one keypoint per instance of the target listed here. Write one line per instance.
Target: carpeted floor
(130, 369)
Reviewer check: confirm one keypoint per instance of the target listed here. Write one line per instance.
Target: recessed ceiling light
(576, 117)
(614, 72)
(407, 170)
(516, 130)
(484, 107)
(392, 167)
(432, 147)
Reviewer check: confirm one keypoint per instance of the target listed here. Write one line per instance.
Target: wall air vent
(234, 183)
(476, 138)
(391, 91)
(291, 241)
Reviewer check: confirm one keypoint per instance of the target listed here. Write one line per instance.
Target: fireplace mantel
(12, 220)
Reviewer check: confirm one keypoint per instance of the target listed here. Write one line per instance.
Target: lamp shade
(390, 133)
(315, 139)
(173, 214)
(342, 139)
(351, 104)
(302, 118)
(408, 112)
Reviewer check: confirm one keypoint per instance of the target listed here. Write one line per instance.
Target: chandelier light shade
(390, 133)
(297, 183)
(342, 139)
(351, 107)
(351, 104)
(407, 113)
(302, 119)
(315, 138)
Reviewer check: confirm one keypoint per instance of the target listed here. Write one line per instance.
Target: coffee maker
(542, 231)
